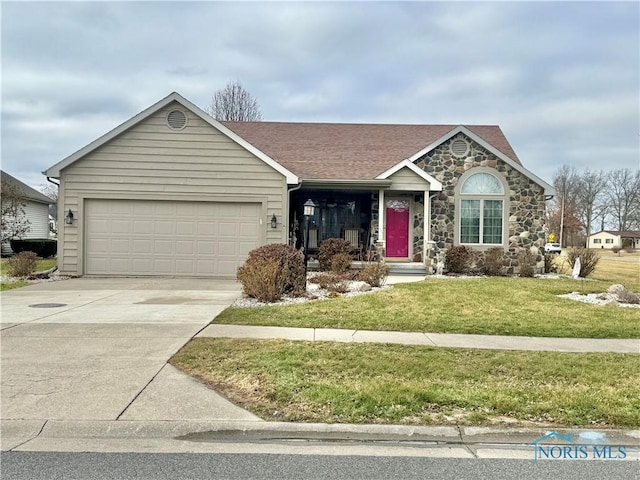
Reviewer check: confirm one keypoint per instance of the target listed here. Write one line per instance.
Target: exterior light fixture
(309, 208)
(69, 218)
(274, 221)
(309, 211)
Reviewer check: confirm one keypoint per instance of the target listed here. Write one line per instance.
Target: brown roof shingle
(350, 151)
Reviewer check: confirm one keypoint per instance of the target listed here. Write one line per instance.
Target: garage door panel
(162, 227)
(185, 228)
(136, 237)
(120, 226)
(163, 247)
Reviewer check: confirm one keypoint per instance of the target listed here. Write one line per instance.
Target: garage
(176, 238)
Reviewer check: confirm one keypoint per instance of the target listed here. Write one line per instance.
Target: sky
(562, 79)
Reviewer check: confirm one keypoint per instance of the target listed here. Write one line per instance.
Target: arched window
(482, 210)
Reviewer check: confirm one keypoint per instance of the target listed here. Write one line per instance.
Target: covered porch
(385, 218)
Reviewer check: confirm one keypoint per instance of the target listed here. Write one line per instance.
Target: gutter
(342, 184)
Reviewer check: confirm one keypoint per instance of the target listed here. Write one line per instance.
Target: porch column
(381, 229)
(426, 231)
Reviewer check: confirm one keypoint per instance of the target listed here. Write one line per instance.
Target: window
(608, 240)
(597, 240)
(482, 210)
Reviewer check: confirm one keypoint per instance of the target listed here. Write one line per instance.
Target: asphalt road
(138, 466)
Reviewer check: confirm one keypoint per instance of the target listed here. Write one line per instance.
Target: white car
(552, 248)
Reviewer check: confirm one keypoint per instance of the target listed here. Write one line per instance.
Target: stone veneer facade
(525, 204)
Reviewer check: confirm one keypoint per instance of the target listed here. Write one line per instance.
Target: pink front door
(397, 215)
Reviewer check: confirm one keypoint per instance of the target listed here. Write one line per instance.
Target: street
(138, 466)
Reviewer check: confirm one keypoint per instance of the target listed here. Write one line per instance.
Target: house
(172, 191)
(36, 211)
(614, 238)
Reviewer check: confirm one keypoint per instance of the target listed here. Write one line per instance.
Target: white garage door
(140, 237)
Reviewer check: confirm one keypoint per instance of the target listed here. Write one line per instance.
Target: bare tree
(589, 196)
(14, 222)
(50, 190)
(234, 103)
(623, 196)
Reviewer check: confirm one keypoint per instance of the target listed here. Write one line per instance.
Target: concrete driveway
(96, 349)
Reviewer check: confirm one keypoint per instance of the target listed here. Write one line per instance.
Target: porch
(380, 223)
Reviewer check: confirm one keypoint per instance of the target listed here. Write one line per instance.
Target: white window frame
(503, 196)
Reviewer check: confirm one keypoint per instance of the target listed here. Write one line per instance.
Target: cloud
(561, 78)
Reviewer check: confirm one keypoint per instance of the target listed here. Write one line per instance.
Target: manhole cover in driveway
(48, 305)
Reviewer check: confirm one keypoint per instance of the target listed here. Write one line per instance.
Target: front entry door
(397, 215)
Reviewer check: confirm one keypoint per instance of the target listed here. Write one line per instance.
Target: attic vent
(459, 147)
(176, 119)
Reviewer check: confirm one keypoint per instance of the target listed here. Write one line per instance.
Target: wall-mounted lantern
(274, 221)
(68, 219)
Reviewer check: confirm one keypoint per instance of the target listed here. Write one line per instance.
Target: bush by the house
(458, 259)
(340, 262)
(271, 271)
(526, 262)
(616, 249)
(329, 249)
(550, 264)
(494, 261)
(42, 247)
(22, 264)
(375, 274)
(588, 260)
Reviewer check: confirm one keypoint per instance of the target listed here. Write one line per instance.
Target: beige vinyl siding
(406, 180)
(615, 240)
(152, 161)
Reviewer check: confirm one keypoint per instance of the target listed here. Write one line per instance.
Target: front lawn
(42, 264)
(372, 383)
(490, 306)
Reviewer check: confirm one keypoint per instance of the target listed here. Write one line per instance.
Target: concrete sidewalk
(497, 342)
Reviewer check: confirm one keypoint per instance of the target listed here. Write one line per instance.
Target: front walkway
(429, 339)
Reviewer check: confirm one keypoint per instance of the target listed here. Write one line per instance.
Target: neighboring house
(174, 192)
(614, 238)
(36, 210)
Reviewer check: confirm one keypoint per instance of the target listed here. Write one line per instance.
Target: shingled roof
(350, 151)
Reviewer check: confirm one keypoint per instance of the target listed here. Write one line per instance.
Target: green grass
(358, 383)
(490, 306)
(41, 265)
(624, 269)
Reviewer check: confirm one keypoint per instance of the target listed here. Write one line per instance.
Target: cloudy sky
(560, 78)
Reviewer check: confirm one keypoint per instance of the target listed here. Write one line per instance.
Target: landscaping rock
(616, 289)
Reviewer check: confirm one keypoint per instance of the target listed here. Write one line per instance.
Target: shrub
(526, 262)
(271, 271)
(42, 247)
(550, 264)
(340, 262)
(22, 264)
(340, 286)
(588, 260)
(494, 261)
(329, 249)
(325, 279)
(616, 249)
(375, 274)
(628, 297)
(457, 259)
(629, 250)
